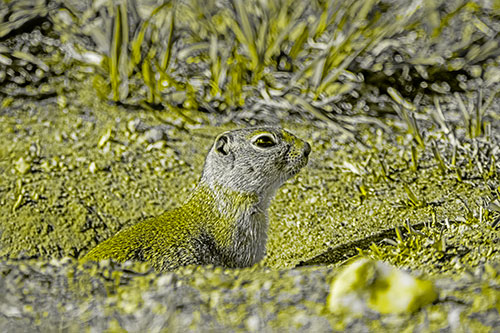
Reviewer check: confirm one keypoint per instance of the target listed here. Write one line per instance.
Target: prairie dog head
(254, 160)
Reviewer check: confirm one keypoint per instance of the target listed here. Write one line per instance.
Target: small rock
(92, 167)
(133, 125)
(22, 166)
(252, 323)
(153, 135)
(373, 285)
(156, 145)
(45, 165)
(105, 138)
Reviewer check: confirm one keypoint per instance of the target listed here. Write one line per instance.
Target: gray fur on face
(238, 163)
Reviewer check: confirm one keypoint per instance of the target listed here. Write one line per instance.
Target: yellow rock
(372, 285)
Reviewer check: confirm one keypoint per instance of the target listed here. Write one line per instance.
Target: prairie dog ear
(222, 143)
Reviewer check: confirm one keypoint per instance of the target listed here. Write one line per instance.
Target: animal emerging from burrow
(224, 221)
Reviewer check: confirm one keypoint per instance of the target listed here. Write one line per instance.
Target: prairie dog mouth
(297, 160)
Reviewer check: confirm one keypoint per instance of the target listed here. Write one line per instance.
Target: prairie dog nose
(307, 149)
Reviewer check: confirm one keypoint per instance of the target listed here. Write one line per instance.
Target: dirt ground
(73, 172)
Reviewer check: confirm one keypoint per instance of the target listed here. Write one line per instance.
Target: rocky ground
(98, 132)
(73, 174)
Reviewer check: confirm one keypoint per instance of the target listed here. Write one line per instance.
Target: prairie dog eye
(264, 141)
